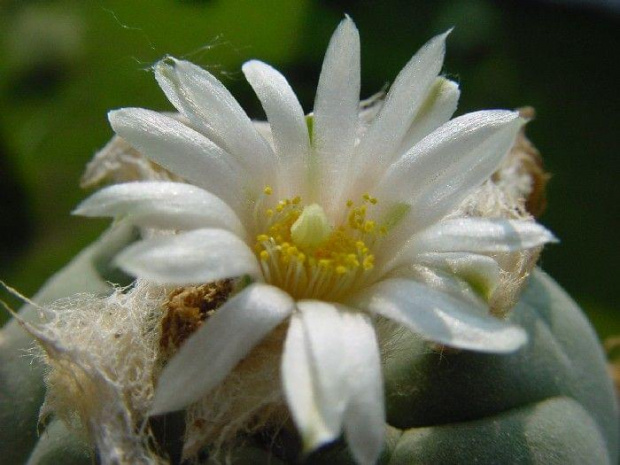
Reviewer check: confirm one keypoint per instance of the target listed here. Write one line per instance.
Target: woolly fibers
(102, 354)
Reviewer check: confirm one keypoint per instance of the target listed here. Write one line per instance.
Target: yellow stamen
(307, 256)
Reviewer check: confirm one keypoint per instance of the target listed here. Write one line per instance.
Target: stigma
(300, 251)
(312, 228)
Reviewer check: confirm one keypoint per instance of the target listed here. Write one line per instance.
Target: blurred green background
(65, 63)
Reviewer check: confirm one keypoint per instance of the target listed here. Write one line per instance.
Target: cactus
(461, 250)
(550, 403)
(21, 380)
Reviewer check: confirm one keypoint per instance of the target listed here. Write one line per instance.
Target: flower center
(301, 252)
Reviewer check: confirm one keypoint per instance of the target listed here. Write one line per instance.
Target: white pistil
(300, 250)
(312, 227)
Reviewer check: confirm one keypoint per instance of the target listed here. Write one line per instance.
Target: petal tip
(549, 237)
(250, 66)
(313, 440)
(163, 404)
(120, 116)
(123, 261)
(167, 62)
(447, 87)
(440, 39)
(81, 210)
(114, 115)
(445, 35)
(347, 26)
(165, 69)
(348, 21)
(519, 339)
(508, 341)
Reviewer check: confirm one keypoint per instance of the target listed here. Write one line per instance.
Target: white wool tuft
(102, 357)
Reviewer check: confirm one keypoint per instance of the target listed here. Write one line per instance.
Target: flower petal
(440, 317)
(364, 418)
(481, 272)
(287, 121)
(336, 109)
(214, 350)
(300, 388)
(379, 145)
(442, 169)
(332, 372)
(166, 205)
(324, 332)
(211, 107)
(479, 235)
(456, 157)
(181, 150)
(442, 281)
(437, 109)
(193, 257)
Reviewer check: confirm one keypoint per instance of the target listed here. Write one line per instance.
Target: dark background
(64, 63)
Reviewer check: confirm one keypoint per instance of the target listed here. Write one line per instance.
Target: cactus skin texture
(550, 403)
(21, 380)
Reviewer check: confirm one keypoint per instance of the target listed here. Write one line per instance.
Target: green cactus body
(21, 380)
(552, 402)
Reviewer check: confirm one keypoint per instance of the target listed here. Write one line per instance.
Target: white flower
(336, 219)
